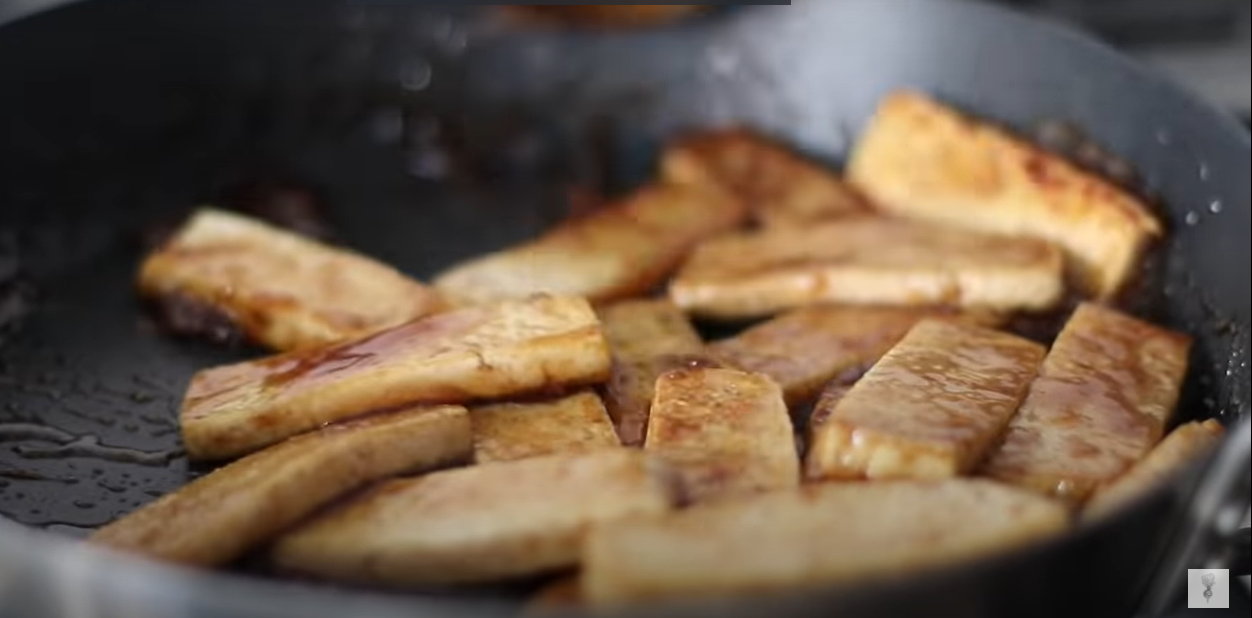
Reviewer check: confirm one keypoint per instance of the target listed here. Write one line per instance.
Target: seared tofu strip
(921, 159)
(1103, 397)
(484, 352)
(562, 594)
(779, 186)
(931, 408)
(283, 290)
(1182, 447)
(804, 349)
(570, 424)
(487, 522)
(646, 339)
(867, 261)
(831, 533)
(726, 432)
(618, 251)
(220, 516)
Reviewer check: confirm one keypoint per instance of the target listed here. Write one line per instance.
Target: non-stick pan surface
(427, 135)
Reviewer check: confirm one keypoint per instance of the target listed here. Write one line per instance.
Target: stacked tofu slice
(551, 408)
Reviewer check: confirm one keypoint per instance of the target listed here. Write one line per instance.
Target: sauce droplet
(1215, 206)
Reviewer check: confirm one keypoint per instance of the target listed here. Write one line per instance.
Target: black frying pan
(434, 134)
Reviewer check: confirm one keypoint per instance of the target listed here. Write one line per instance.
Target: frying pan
(430, 134)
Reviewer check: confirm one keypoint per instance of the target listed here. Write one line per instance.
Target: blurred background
(1205, 45)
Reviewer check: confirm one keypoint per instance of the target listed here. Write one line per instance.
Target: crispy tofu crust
(867, 261)
(493, 351)
(487, 522)
(1182, 447)
(646, 338)
(779, 186)
(220, 516)
(931, 408)
(1102, 399)
(832, 533)
(804, 349)
(283, 290)
(621, 250)
(726, 432)
(571, 424)
(921, 159)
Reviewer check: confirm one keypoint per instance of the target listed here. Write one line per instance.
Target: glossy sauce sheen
(726, 432)
(929, 409)
(1102, 400)
(510, 348)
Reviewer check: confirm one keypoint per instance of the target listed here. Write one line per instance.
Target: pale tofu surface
(283, 290)
(804, 349)
(931, 408)
(621, 250)
(867, 261)
(921, 159)
(726, 432)
(485, 352)
(1103, 397)
(482, 523)
(220, 516)
(779, 186)
(1181, 448)
(833, 533)
(646, 339)
(571, 424)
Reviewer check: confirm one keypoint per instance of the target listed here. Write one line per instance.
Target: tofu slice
(867, 261)
(726, 432)
(564, 593)
(1102, 399)
(501, 350)
(931, 408)
(220, 516)
(832, 533)
(646, 338)
(571, 424)
(779, 186)
(1182, 447)
(283, 290)
(804, 349)
(621, 250)
(483, 523)
(921, 159)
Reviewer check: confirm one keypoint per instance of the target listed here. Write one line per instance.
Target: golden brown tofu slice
(804, 349)
(220, 516)
(867, 261)
(931, 408)
(779, 186)
(921, 159)
(646, 339)
(1182, 447)
(283, 290)
(491, 351)
(1102, 399)
(483, 523)
(726, 432)
(570, 424)
(831, 533)
(618, 251)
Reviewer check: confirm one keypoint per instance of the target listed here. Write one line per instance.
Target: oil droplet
(1215, 206)
(84, 504)
(1164, 137)
(415, 75)
(1192, 218)
(1204, 171)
